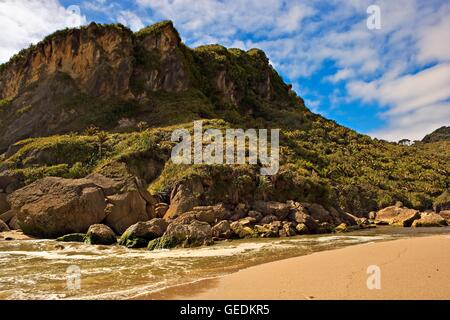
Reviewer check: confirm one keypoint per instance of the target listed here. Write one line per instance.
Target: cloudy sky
(391, 83)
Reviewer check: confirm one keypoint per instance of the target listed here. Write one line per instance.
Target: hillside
(104, 99)
(441, 134)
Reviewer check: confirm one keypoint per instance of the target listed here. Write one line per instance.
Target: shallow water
(41, 269)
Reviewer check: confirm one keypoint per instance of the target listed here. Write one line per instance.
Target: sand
(414, 268)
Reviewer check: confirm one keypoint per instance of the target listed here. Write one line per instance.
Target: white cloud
(131, 20)
(26, 22)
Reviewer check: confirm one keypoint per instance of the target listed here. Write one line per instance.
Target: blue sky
(391, 83)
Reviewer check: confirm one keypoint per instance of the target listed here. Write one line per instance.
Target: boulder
(161, 209)
(73, 237)
(266, 231)
(242, 231)
(182, 200)
(4, 205)
(124, 210)
(320, 214)
(301, 216)
(222, 230)
(278, 209)
(100, 234)
(430, 220)
(139, 234)
(248, 221)
(396, 215)
(256, 215)
(52, 207)
(287, 230)
(372, 215)
(209, 214)
(239, 212)
(301, 229)
(268, 219)
(3, 226)
(196, 233)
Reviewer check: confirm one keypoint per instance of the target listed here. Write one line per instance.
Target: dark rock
(278, 209)
(100, 234)
(139, 234)
(196, 233)
(73, 237)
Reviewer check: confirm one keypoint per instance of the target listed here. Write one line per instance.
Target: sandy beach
(414, 268)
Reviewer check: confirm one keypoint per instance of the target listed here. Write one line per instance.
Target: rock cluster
(96, 209)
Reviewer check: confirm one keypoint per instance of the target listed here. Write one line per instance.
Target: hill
(104, 99)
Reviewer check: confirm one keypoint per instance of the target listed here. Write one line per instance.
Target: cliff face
(106, 75)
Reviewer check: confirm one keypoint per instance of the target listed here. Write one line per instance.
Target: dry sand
(414, 268)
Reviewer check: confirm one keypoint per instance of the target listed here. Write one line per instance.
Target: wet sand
(414, 268)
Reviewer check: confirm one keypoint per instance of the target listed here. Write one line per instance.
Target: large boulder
(182, 199)
(222, 230)
(194, 234)
(430, 220)
(100, 234)
(139, 234)
(278, 209)
(124, 210)
(52, 207)
(397, 215)
(3, 226)
(4, 205)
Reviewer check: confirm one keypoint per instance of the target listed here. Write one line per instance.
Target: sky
(391, 82)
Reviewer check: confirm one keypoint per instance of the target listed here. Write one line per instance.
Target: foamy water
(38, 269)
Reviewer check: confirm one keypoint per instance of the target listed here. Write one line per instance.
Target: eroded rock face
(53, 207)
(139, 234)
(397, 215)
(100, 234)
(99, 58)
(430, 219)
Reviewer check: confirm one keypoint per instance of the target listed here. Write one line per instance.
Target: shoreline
(411, 268)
